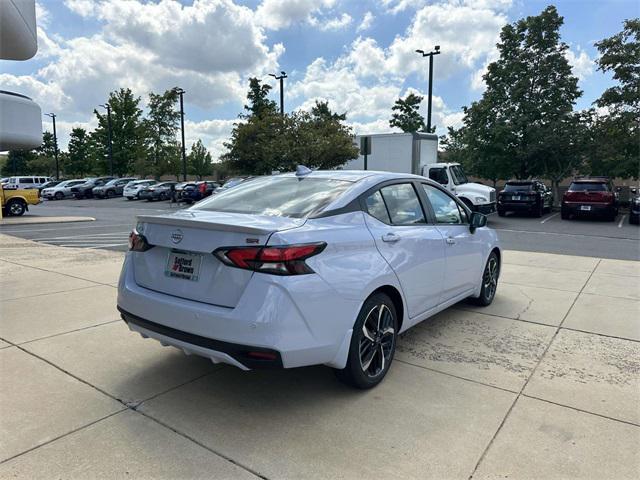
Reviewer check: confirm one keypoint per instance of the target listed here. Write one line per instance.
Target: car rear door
(464, 250)
(413, 248)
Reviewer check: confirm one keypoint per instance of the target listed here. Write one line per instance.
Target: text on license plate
(183, 265)
(585, 207)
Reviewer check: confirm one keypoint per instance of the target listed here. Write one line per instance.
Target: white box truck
(417, 153)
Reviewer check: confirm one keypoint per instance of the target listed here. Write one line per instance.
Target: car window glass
(444, 207)
(403, 204)
(589, 186)
(26, 180)
(376, 207)
(439, 175)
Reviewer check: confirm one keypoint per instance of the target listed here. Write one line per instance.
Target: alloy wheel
(490, 278)
(377, 342)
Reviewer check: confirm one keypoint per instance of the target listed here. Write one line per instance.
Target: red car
(590, 197)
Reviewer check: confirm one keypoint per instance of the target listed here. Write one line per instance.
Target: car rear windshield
(277, 196)
(518, 187)
(588, 186)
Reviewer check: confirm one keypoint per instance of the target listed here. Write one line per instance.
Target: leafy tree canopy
(199, 160)
(406, 114)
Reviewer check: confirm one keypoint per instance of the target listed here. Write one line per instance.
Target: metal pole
(430, 92)
(110, 140)
(184, 155)
(55, 146)
(282, 95)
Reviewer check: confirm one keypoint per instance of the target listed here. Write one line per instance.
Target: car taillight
(138, 242)
(277, 260)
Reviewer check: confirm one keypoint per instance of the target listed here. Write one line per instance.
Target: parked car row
(586, 197)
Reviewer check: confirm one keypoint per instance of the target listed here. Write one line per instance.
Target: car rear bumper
(517, 206)
(274, 314)
(595, 209)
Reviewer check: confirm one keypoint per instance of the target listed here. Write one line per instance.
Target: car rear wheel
(501, 212)
(111, 194)
(489, 281)
(59, 196)
(16, 207)
(373, 343)
(564, 214)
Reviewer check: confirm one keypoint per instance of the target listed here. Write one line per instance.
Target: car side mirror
(478, 220)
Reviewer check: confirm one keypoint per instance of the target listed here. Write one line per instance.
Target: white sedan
(323, 267)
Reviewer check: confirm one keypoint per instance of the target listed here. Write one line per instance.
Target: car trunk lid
(181, 262)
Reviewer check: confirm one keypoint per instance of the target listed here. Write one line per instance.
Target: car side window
(402, 204)
(376, 207)
(439, 175)
(445, 208)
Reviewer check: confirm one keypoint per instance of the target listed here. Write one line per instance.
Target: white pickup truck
(476, 196)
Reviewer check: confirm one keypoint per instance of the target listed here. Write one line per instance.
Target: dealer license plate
(517, 197)
(586, 208)
(183, 265)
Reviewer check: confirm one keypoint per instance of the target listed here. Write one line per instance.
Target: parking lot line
(2, 230)
(550, 217)
(621, 221)
(635, 240)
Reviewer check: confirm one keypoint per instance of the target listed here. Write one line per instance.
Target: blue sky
(358, 55)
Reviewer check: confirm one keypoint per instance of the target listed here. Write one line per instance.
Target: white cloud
(366, 23)
(581, 64)
(336, 23)
(213, 134)
(397, 6)
(278, 14)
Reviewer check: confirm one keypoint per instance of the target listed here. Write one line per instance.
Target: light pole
(280, 77)
(181, 92)
(55, 143)
(108, 107)
(430, 55)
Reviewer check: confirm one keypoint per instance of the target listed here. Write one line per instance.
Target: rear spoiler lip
(204, 224)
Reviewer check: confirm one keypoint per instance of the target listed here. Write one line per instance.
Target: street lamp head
(437, 48)
(179, 90)
(52, 115)
(272, 75)
(420, 52)
(284, 74)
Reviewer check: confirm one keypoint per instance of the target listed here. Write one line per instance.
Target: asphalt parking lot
(542, 384)
(549, 234)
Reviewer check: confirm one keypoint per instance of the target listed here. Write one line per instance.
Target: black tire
(59, 196)
(111, 194)
(376, 348)
(501, 212)
(564, 215)
(490, 277)
(633, 220)
(15, 207)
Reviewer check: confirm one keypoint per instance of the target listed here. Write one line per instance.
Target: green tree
(42, 161)
(616, 146)
(264, 141)
(199, 160)
(406, 114)
(530, 92)
(78, 162)
(127, 133)
(17, 163)
(161, 126)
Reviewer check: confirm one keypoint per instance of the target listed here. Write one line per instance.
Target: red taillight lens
(278, 260)
(138, 243)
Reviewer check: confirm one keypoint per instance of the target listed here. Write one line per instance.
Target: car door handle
(390, 238)
(450, 241)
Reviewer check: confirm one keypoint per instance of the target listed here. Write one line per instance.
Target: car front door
(414, 249)
(463, 248)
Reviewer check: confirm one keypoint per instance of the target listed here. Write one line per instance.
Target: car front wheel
(489, 281)
(373, 343)
(59, 195)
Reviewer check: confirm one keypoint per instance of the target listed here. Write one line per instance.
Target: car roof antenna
(302, 171)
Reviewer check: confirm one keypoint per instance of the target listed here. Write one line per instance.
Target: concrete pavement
(544, 383)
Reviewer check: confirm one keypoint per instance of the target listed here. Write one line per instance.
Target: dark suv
(193, 192)
(529, 196)
(85, 190)
(112, 188)
(589, 197)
